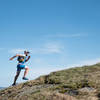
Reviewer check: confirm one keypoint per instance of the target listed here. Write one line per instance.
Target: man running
(21, 65)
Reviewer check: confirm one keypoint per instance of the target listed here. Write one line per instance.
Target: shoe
(24, 78)
(14, 84)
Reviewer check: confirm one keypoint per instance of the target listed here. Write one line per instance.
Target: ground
(79, 83)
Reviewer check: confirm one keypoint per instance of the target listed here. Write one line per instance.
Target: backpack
(21, 58)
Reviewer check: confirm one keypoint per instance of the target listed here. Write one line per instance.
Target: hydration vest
(21, 58)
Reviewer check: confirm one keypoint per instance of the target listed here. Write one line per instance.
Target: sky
(60, 34)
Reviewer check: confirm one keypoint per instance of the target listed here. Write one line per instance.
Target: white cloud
(18, 50)
(48, 48)
(52, 48)
(14, 51)
(67, 35)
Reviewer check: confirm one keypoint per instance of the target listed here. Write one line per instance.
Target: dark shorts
(20, 67)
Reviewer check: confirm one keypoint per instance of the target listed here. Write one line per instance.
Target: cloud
(67, 35)
(14, 51)
(52, 48)
(48, 48)
(18, 50)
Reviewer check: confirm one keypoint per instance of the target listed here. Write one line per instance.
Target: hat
(26, 51)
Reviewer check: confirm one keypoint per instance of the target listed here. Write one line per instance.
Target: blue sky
(59, 33)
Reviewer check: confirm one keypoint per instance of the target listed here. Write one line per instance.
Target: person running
(22, 59)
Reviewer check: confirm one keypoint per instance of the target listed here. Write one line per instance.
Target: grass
(63, 82)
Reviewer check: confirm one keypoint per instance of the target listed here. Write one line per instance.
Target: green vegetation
(80, 83)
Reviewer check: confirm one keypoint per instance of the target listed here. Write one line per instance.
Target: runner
(21, 65)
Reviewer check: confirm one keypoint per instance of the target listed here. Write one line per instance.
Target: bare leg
(26, 71)
(16, 77)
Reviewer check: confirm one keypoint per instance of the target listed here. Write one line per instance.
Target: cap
(26, 51)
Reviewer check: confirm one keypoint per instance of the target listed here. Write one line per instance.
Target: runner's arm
(27, 58)
(14, 56)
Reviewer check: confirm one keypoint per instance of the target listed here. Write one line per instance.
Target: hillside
(80, 83)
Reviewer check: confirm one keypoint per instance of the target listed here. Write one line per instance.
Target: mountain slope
(80, 83)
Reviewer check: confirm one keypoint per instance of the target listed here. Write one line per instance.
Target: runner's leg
(16, 77)
(26, 71)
